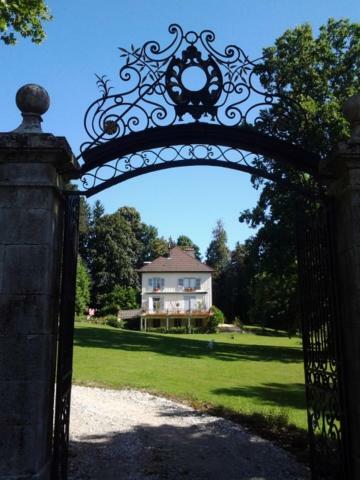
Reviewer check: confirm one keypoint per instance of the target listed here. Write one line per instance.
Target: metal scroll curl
(160, 87)
(139, 163)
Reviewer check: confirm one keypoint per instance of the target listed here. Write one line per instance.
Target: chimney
(190, 251)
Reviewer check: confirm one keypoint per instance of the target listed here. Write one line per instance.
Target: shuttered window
(156, 282)
(190, 282)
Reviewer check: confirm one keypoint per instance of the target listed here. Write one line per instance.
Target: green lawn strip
(256, 380)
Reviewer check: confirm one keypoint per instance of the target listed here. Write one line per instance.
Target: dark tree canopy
(184, 241)
(217, 254)
(320, 73)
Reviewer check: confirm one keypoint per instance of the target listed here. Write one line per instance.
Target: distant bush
(120, 298)
(110, 320)
(80, 318)
(113, 321)
(217, 317)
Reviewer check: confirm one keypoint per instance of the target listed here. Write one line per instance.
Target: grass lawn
(247, 373)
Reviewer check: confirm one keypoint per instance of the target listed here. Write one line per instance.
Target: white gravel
(131, 435)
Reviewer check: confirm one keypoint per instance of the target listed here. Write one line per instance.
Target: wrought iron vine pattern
(154, 92)
(321, 351)
(141, 161)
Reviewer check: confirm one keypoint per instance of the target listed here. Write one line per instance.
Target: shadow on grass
(209, 451)
(273, 394)
(183, 347)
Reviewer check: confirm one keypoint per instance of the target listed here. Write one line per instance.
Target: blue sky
(82, 40)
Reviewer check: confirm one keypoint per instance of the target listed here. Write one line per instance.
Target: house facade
(176, 291)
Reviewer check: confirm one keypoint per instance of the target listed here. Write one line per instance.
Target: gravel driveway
(131, 435)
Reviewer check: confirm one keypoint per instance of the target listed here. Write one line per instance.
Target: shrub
(113, 321)
(110, 320)
(120, 298)
(217, 317)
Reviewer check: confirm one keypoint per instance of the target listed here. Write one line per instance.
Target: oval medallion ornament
(206, 77)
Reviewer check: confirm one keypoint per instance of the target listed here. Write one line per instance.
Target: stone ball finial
(351, 111)
(32, 98)
(33, 101)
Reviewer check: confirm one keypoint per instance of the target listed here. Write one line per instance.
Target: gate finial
(33, 101)
(351, 111)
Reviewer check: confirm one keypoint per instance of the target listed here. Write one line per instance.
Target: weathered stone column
(33, 166)
(344, 165)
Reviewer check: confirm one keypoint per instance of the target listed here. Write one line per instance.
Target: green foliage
(217, 254)
(23, 17)
(113, 321)
(113, 252)
(319, 73)
(82, 288)
(216, 318)
(233, 285)
(184, 241)
(110, 320)
(120, 298)
(217, 257)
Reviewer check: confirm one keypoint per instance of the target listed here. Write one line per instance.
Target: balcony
(177, 312)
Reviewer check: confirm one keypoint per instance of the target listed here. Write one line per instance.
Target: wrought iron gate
(322, 344)
(65, 337)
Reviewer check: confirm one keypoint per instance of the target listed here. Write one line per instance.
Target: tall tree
(23, 17)
(113, 252)
(236, 280)
(82, 288)
(183, 241)
(217, 257)
(84, 228)
(217, 254)
(319, 73)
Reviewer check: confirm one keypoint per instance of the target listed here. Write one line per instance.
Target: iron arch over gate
(160, 119)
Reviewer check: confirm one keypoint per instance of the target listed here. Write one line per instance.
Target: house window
(189, 303)
(198, 322)
(190, 283)
(157, 304)
(156, 322)
(156, 283)
(177, 322)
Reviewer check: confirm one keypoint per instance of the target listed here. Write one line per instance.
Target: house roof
(177, 261)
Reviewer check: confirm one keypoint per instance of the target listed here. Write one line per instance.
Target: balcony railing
(177, 311)
(173, 290)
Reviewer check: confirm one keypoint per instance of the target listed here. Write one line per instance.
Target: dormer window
(156, 283)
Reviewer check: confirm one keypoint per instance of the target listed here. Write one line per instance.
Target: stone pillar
(33, 166)
(344, 166)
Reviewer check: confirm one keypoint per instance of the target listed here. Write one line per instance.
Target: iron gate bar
(65, 335)
(321, 333)
(202, 133)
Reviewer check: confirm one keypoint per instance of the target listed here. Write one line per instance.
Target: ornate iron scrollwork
(321, 344)
(197, 102)
(154, 92)
(143, 161)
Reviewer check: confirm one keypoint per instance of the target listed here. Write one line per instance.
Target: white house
(175, 291)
